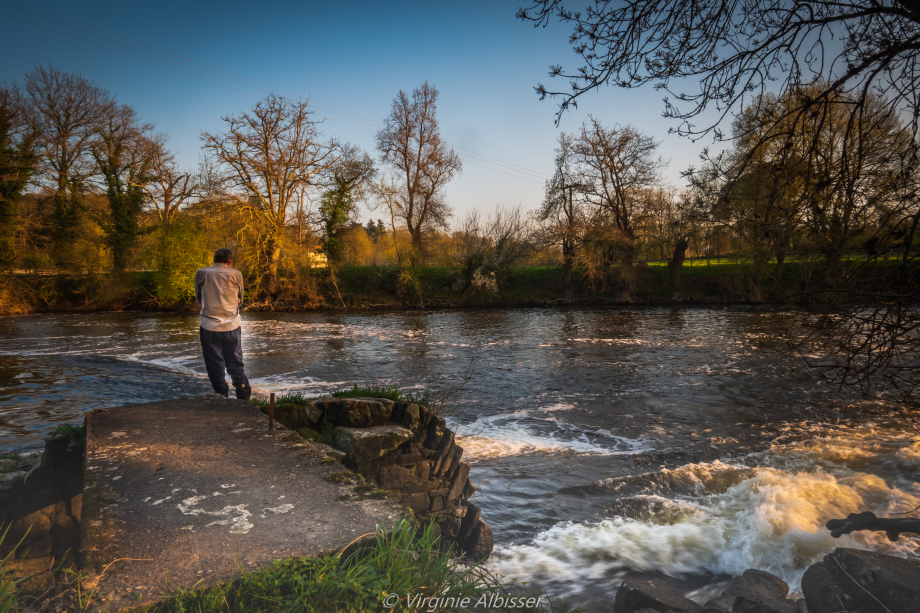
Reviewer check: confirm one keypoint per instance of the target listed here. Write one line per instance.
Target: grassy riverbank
(715, 280)
(408, 569)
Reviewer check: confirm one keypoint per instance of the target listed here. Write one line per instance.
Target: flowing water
(605, 442)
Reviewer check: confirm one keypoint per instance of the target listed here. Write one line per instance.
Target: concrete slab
(192, 491)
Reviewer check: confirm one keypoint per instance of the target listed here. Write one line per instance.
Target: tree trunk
(273, 255)
(568, 265)
(759, 264)
(780, 258)
(629, 245)
(677, 262)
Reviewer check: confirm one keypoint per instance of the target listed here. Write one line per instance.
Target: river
(605, 443)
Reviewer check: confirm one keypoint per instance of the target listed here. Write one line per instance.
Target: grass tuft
(401, 562)
(376, 391)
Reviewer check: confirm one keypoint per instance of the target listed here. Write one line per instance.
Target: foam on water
(722, 519)
(525, 432)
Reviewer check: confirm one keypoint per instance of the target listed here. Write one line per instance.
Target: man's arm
(240, 295)
(199, 284)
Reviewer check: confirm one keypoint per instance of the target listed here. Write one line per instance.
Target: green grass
(376, 391)
(368, 391)
(402, 562)
(9, 590)
(295, 398)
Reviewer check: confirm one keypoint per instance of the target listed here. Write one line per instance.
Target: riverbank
(709, 281)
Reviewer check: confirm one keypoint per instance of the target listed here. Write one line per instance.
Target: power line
(496, 162)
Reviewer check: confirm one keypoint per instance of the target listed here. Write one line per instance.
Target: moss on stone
(308, 434)
(344, 477)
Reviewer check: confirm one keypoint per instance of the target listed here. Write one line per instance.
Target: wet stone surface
(196, 489)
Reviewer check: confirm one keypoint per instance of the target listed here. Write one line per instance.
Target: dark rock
(312, 414)
(754, 585)
(396, 477)
(436, 430)
(468, 490)
(635, 595)
(437, 504)
(876, 582)
(410, 417)
(418, 502)
(407, 459)
(770, 605)
(423, 470)
(450, 527)
(444, 448)
(450, 461)
(459, 481)
(328, 451)
(399, 409)
(357, 412)
(822, 594)
(470, 519)
(479, 544)
(363, 445)
(290, 415)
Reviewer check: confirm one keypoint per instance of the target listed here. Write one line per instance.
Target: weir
(192, 491)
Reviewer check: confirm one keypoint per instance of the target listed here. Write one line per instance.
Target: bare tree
(616, 164)
(274, 153)
(169, 188)
(487, 247)
(411, 144)
(561, 213)
(65, 110)
(734, 51)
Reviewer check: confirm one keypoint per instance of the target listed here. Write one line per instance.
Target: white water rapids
(764, 511)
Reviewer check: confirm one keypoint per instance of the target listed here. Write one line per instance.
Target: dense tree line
(89, 190)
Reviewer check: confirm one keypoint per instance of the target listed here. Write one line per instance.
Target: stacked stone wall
(406, 450)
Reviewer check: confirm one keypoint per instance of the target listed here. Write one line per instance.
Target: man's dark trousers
(225, 350)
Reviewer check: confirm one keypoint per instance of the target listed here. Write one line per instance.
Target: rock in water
(876, 582)
(822, 594)
(367, 444)
(770, 605)
(478, 545)
(755, 586)
(635, 595)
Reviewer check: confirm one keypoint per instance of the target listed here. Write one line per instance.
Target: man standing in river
(219, 291)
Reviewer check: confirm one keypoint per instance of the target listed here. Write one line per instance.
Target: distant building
(316, 258)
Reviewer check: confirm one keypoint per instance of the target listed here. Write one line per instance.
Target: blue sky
(355, 56)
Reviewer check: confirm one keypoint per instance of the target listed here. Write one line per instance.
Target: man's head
(223, 256)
